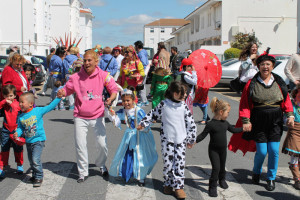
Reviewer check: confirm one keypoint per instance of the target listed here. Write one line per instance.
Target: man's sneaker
(20, 169)
(81, 179)
(2, 174)
(43, 94)
(103, 171)
(37, 182)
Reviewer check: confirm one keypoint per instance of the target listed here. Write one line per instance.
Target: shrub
(232, 53)
(242, 39)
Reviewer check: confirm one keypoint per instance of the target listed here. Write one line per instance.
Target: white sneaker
(43, 94)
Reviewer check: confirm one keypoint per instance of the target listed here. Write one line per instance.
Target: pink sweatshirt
(88, 102)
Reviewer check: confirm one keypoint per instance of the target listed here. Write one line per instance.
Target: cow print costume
(177, 130)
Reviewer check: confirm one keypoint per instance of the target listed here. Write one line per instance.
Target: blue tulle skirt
(132, 158)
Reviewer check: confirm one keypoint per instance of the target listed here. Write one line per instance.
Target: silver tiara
(126, 91)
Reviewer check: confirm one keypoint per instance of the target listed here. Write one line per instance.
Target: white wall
(85, 22)
(273, 21)
(182, 41)
(157, 36)
(10, 30)
(204, 20)
(60, 19)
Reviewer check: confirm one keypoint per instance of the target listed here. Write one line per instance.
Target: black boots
(212, 189)
(223, 184)
(255, 179)
(270, 185)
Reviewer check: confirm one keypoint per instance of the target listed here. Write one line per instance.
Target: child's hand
(140, 127)
(8, 101)
(247, 127)
(290, 122)
(15, 135)
(111, 111)
(61, 93)
(189, 146)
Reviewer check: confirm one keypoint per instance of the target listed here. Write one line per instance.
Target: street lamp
(22, 27)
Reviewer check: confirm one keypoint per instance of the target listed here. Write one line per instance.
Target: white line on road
(201, 174)
(55, 176)
(118, 189)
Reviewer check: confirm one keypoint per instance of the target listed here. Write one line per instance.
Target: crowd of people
(93, 82)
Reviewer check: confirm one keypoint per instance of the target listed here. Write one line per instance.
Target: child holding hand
(30, 123)
(10, 109)
(178, 131)
(217, 149)
(136, 154)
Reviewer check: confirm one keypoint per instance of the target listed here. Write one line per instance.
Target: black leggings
(217, 158)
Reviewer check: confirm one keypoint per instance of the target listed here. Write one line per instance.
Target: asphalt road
(60, 170)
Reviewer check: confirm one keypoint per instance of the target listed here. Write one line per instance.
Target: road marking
(118, 189)
(201, 174)
(285, 179)
(55, 176)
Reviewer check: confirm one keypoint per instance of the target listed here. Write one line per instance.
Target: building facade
(160, 31)
(214, 24)
(42, 21)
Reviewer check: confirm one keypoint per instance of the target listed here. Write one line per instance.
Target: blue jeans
(272, 148)
(34, 151)
(203, 109)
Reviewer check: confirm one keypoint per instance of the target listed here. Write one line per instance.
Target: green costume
(158, 90)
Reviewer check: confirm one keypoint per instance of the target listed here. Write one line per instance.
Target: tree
(242, 39)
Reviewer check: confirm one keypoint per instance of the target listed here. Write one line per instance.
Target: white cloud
(132, 30)
(97, 24)
(136, 19)
(191, 2)
(98, 3)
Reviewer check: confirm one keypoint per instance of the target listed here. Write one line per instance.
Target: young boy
(57, 86)
(10, 109)
(30, 122)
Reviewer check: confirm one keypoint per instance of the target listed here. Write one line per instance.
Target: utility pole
(22, 27)
(298, 25)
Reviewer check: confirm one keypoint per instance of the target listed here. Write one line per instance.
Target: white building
(70, 18)
(214, 24)
(160, 31)
(42, 20)
(85, 29)
(298, 25)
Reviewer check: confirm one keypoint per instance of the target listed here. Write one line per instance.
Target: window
(202, 22)
(209, 20)
(197, 23)
(162, 30)
(151, 30)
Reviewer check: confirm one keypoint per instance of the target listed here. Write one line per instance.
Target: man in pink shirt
(88, 84)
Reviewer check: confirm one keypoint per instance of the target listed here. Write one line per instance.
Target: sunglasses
(126, 52)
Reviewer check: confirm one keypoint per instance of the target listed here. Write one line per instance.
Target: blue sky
(122, 21)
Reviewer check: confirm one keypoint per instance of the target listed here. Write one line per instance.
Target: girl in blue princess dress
(136, 154)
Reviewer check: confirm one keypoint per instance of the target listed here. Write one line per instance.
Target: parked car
(42, 60)
(40, 69)
(230, 68)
